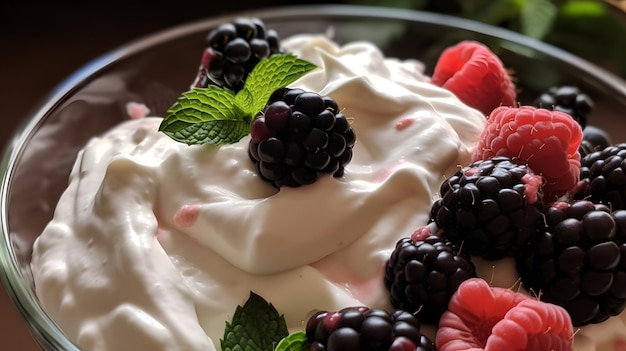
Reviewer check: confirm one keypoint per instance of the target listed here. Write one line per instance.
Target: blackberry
(603, 177)
(362, 328)
(300, 136)
(422, 276)
(579, 261)
(233, 51)
(492, 207)
(568, 99)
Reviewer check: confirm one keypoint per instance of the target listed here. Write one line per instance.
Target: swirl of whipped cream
(154, 243)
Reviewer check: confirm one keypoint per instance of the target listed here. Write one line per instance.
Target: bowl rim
(45, 331)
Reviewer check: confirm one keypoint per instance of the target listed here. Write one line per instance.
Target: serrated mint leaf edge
(216, 132)
(255, 312)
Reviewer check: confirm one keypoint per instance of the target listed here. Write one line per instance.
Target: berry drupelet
(578, 261)
(300, 136)
(233, 51)
(362, 328)
(492, 207)
(422, 276)
(594, 139)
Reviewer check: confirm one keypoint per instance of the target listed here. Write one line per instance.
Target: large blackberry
(492, 207)
(568, 99)
(300, 136)
(603, 177)
(579, 261)
(422, 276)
(362, 328)
(233, 50)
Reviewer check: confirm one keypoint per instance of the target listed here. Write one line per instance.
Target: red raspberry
(475, 75)
(547, 141)
(481, 317)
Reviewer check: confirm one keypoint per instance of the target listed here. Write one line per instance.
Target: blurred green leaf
(537, 17)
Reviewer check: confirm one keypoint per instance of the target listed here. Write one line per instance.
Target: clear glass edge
(44, 329)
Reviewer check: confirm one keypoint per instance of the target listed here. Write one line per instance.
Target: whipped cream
(154, 243)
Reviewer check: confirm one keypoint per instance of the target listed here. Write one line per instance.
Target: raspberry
(547, 141)
(491, 207)
(232, 52)
(603, 177)
(300, 136)
(362, 328)
(422, 276)
(577, 261)
(475, 75)
(568, 99)
(481, 317)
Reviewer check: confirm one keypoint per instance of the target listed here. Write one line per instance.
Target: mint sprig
(256, 326)
(218, 116)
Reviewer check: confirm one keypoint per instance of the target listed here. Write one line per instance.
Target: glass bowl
(156, 69)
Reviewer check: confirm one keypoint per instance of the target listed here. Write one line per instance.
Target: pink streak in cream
(186, 216)
(404, 123)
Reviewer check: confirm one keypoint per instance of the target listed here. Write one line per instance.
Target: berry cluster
(300, 136)
(232, 52)
(362, 328)
(496, 207)
(530, 196)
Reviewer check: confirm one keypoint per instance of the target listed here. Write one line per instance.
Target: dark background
(42, 42)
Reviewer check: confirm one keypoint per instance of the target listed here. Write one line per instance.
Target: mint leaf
(205, 115)
(294, 342)
(216, 115)
(274, 72)
(256, 326)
